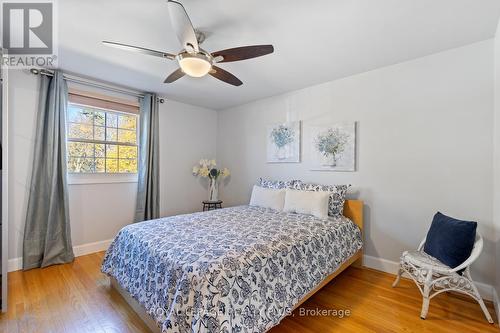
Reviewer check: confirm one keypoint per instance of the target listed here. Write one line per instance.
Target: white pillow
(268, 198)
(307, 202)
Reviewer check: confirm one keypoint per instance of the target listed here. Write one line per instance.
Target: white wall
(496, 156)
(424, 144)
(186, 134)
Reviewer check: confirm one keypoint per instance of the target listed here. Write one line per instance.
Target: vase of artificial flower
(282, 136)
(213, 190)
(331, 144)
(208, 169)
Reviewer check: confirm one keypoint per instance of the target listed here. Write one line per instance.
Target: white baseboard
(389, 266)
(381, 264)
(81, 250)
(16, 264)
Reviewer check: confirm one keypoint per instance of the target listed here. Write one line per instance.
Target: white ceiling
(315, 41)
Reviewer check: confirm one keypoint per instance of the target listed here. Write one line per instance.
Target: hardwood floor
(77, 298)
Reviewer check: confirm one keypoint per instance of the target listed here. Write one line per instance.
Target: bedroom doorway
(3, 184)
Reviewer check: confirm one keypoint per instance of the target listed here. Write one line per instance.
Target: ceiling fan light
(195, 65)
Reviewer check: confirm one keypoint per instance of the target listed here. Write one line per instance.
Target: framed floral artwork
(333, 147)
(283, 142)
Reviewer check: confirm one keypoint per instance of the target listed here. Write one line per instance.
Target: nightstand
(211, 205)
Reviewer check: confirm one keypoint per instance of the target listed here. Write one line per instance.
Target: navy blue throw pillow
(450, 240)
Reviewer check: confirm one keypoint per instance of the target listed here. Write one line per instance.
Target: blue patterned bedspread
(237, 269)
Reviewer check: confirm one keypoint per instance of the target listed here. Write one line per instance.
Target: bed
(238, 269)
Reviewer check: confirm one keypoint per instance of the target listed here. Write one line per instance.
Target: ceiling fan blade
(138, 49)
(225, 76)
(182, 26)
(174, 76)
(243, 52)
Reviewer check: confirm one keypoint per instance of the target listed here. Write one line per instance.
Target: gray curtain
(47, 235)
(148, 191)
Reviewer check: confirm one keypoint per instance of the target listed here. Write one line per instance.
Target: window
(100, 140)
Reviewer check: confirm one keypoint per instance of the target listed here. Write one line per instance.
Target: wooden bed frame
(353, 209)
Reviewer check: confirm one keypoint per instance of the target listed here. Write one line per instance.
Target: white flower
(204, 172)
(225, 172)
(205, 166)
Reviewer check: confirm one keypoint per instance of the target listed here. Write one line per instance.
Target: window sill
(106, 178)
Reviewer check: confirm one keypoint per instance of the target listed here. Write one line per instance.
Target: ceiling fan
(193, 60)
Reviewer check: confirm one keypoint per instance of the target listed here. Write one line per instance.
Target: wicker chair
(432, 277)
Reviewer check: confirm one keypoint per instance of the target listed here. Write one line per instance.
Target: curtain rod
(79, 80)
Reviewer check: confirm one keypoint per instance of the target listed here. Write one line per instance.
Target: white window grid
(104, 142)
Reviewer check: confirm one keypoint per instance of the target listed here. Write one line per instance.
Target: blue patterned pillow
(275, 184)
(337, 195)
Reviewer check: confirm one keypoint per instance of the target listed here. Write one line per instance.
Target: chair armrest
(422, 243)
(476, 251)
(463, 265)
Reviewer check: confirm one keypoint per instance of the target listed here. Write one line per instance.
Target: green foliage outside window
(101, 141)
